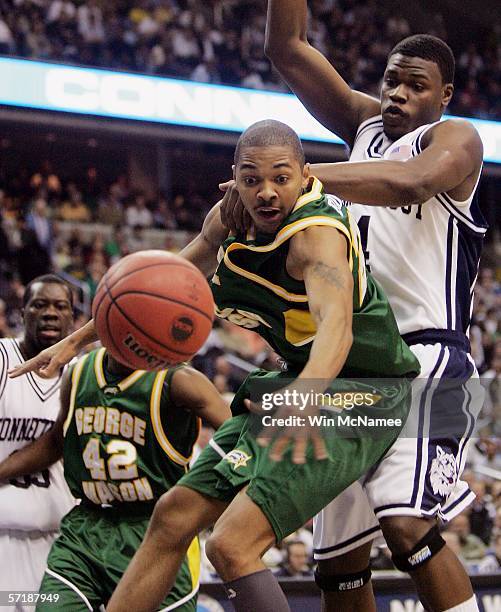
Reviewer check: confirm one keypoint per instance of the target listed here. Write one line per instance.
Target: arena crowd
(221, 41)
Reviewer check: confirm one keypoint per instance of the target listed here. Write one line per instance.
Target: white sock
(467, 606)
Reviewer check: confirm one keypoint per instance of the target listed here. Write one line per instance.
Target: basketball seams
(112, 283)
(112, 294)
(184, 264)
(108, 314)
(145, 334)
(110, 336)
(168, 299)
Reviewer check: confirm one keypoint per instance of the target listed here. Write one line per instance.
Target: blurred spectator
(38, 221)
(110, 208)
(162, 215)
(481, 513)
(295, 564)
(485, 453)
(453, 541)
(34, 256)
(471, 546)
(221, 383)
(138, 215)
(5, 331)
(492, 561)
(74, 209)
(95, 272)
(224, 370)
(381, 558)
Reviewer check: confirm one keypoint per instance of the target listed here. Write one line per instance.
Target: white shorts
(420, 475)
(23, 559)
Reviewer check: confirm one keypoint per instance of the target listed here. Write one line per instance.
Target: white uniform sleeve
(4, 366)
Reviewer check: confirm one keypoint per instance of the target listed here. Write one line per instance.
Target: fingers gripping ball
(153, 309)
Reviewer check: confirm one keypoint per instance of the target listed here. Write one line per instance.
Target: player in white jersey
(415, 178)
(31, 507)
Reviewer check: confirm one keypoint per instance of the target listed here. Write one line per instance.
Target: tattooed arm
(318, 255)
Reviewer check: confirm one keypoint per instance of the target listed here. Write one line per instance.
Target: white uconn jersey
(29, 405)
(425, 256)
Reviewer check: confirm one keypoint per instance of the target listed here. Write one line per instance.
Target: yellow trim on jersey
(124, 384)
(300, 328)
(130, 380)
(285, 234)
(155, 405)
(193, 557)
(98, 368)
(315, 193)
(75, 378)
(357, 247)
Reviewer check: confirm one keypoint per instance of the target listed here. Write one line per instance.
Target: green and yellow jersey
(252, 288)
(125, 443)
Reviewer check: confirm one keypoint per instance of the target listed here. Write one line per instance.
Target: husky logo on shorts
(443, 472)
(238, 458)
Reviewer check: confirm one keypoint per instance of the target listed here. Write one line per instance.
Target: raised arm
(45, 451)
(310, 75)
(450, 162)
(202, 250)
(194, 392)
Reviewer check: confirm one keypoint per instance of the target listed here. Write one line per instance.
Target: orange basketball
(153, 309)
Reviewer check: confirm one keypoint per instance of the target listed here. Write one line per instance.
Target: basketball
(153, 309)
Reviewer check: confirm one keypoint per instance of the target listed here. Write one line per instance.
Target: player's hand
(48, 362)
(233, 213)
(299, 433)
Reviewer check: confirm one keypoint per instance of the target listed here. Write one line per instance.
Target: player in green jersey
(300, 283)
(126, 437)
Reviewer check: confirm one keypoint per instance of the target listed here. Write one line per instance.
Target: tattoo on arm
(328, 273)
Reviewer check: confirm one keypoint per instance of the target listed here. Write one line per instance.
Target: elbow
(413, 188)
(270, 48)
(276, 53)
(413, 195)
(282, 53)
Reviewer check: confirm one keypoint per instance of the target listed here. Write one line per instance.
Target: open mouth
(268, 214)
(50, 332)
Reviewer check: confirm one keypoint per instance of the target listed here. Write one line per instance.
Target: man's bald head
(270, 133)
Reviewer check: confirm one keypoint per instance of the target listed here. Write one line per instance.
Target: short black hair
(270, 133)
(46, 279)
(429, 48)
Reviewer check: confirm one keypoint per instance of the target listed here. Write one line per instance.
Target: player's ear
(447, 91)
(306, 175)
(233, 171)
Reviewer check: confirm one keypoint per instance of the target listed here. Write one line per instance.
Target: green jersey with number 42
(125, 442)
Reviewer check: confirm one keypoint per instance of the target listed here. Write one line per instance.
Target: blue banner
(106, 93)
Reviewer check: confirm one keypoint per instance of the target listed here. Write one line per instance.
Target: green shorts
(290, 494)
(91, 554)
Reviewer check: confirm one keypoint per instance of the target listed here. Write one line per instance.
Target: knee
(169, 522)
(223, 552)
(345, 573)
(402, 533)
(355, 560)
